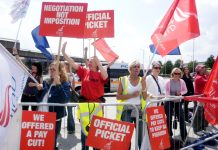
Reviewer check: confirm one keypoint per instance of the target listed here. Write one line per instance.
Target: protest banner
(63, 19)
(109, 134)
(157, 126)
(99, 24)
(13, 80)
(37, 130)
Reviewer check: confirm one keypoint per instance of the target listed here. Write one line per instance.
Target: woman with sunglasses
(56, 90)
(175, 86)
(154, 82)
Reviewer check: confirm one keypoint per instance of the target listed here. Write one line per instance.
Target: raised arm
(72, 63)
(101, 68)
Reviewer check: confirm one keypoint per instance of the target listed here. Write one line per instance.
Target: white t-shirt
(132, 89)
(152, 87)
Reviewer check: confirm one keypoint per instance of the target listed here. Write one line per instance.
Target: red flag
(178, 25)
(210, 90)
(105, 50)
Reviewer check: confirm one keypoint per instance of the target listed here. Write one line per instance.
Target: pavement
(72, 141)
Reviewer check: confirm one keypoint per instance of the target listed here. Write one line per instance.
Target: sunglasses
(177, 73)
(157, 68)
(136, 67)
(52, 69)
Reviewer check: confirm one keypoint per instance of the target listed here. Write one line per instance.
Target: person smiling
(175, 86)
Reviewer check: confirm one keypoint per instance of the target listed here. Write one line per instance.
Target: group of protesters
(132, 89)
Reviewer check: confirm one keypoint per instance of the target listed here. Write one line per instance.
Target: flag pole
(19, 63)
(193, 49)
(18, 31)
(153, 56)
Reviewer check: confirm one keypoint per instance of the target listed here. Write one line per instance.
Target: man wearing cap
(200, 81)
(155, 83)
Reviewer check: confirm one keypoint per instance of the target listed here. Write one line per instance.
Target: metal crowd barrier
(153, 101)
(173, 98)
(102, 104)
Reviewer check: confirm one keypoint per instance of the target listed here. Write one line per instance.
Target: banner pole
(59, 49)
(152, 57)
(19, 63)
(18, 31)
(193, 52)
(94, 48)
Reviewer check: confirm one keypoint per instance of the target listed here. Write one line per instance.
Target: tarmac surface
(72, 141)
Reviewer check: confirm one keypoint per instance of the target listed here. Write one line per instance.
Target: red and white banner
(157, 126)
(99, 24)
(105, 50)
(178, 25)
(37, 130)
(63, 19)
(210, 90)
(12, 82)
(109, 134)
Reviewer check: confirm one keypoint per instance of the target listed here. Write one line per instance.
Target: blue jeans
(126, 116)
(70, 119)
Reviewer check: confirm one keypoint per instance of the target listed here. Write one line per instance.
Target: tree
(167, 67)
(210, 61)
(178, 63)
(190, 65)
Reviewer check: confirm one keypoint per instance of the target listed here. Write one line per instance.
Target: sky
(135, 21)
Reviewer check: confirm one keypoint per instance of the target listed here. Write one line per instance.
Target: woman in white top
(155, 83)
(136, 89)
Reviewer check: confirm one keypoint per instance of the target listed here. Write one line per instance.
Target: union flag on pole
(179, 24)
(105, 50)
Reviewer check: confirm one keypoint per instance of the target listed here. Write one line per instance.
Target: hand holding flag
(178, 25)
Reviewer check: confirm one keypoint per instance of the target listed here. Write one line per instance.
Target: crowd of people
(132, 89)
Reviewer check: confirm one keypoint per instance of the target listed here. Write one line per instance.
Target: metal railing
(102, 104)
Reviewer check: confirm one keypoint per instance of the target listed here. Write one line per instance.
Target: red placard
(37, 130)
(99, 24)
(109, 134)
(158, 131)
(63, 19)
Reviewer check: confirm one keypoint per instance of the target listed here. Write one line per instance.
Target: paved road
(72, 141)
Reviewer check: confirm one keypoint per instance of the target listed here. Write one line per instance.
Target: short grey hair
(133, 64)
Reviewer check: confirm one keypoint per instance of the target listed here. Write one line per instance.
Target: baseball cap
(199, 67)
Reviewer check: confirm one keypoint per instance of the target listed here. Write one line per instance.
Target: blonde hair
(174, 70)
(133, 64)
(62, 71)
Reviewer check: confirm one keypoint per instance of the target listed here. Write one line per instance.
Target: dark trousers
(57, 132)
(26, 98)
(83, 142)
(126, 116)
(171, 107)
(199, 122)
(70, 119)
(186, 111)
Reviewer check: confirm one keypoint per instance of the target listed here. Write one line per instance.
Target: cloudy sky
(135, 21)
